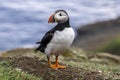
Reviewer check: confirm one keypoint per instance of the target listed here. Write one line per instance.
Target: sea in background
(23, 23)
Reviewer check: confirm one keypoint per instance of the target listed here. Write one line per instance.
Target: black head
(59, 16)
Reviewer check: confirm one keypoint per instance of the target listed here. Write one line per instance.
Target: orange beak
(51, 19)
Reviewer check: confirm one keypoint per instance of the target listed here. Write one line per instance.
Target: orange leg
(56, 65)
(49, 63)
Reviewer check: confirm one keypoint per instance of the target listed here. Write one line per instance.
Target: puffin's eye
(60, 14)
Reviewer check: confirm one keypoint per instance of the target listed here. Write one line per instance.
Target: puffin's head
(59, 16)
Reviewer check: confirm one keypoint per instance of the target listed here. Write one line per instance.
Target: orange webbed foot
(54, 66)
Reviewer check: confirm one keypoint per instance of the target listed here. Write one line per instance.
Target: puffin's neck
(61, 26)
(65, 24)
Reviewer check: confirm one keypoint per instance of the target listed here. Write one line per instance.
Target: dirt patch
(41, 69)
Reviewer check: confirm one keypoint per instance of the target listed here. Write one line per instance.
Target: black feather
(40, 48)
(45, 40)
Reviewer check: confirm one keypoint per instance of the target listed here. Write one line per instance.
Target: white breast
(61, 40)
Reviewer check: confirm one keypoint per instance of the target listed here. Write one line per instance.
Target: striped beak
(51, 19)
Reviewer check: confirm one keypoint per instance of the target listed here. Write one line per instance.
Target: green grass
(111, 47)
(8, 73)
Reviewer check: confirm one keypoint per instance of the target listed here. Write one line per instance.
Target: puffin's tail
(40, 48)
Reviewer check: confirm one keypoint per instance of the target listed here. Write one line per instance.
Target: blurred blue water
(22, 23)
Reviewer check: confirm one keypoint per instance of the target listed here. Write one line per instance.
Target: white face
(61, 17)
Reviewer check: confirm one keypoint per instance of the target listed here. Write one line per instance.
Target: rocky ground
(80, 65)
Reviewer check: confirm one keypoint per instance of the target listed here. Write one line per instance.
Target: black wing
(45, 40)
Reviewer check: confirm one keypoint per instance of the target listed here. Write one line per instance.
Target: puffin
(58, 39)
